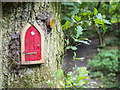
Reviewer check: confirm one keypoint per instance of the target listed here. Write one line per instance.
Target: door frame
(22, 37)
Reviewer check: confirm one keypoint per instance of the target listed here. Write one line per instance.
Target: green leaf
(58, 74)
(74, 55)
(99, 16)
(95, 11)
(106, 21)
(79, 1)
(81, 59)
(68, 3)
(48, 82)
(81, 83)
(66, 18)
(86, 81)
(67, 41)
(78, 18)
(68, 82)
(104, 27)
(75, 11)
(66, 25)
(85, 42)
(69, 73)
(68, 47)
(79, 31)
(76, 40)
(93, 82)
(73, 47)
(61, 83)
(86, 39)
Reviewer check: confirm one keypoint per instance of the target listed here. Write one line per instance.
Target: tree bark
(15, 15)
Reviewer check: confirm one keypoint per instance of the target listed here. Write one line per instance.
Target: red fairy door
(32, 45)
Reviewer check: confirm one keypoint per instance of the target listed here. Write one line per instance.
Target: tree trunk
(15, 15)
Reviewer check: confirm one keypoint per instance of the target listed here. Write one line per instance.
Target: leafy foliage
(77, 19)
(105, 66)
(113, 42)
(99, 21)
(76, 79)
(113, 9)
(74, 57)
(79, 22)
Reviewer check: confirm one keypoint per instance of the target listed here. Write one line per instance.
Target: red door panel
(32, 45)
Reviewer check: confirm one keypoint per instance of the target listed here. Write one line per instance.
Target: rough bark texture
(15, 15)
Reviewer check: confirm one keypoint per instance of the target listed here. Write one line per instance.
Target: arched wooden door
(32, 44)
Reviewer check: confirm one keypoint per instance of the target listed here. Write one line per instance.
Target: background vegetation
(81, 22)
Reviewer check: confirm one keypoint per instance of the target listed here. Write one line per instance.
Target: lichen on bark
(15, 15)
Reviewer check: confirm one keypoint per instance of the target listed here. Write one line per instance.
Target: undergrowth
(105, 67)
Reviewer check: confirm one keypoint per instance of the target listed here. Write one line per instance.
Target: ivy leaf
(73, 47)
